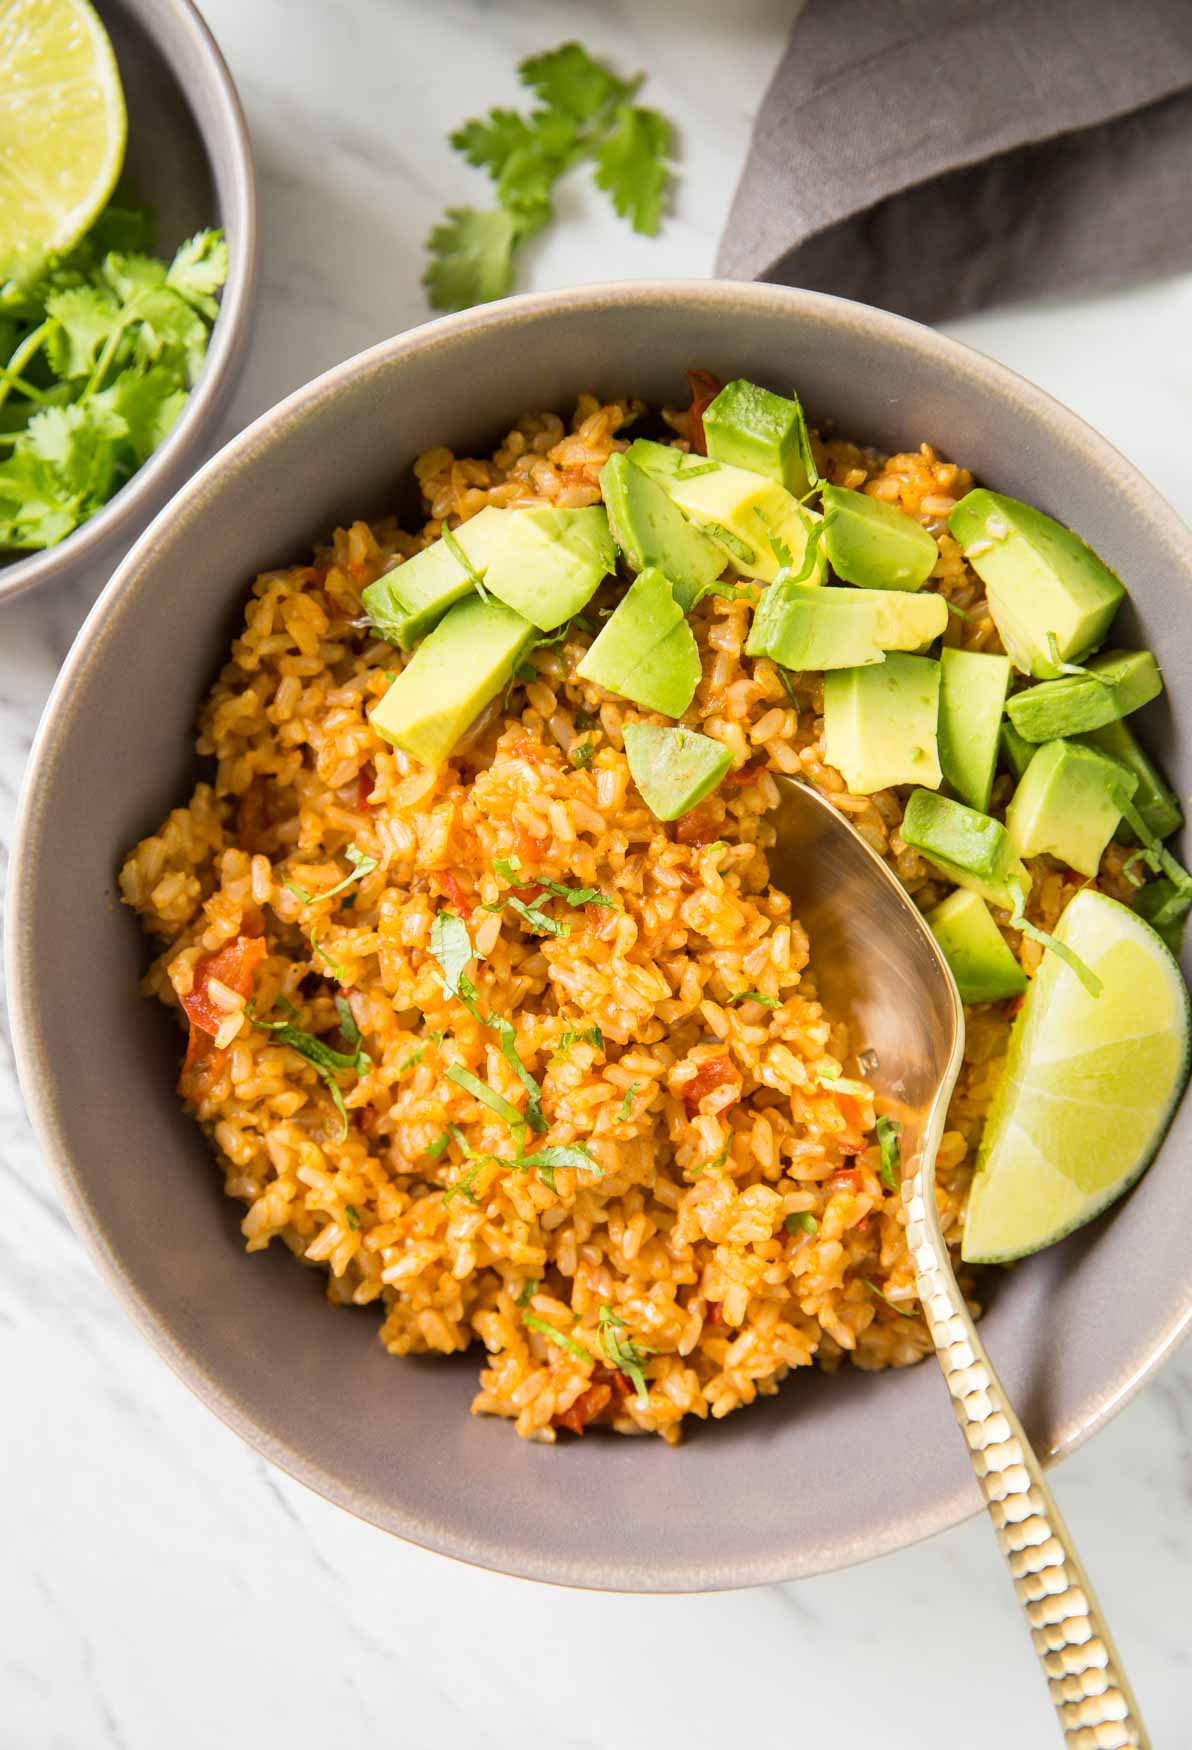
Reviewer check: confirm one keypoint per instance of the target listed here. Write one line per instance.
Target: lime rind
(63, 129)
(1089, 1088)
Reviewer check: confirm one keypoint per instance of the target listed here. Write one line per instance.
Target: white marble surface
(160, 1584)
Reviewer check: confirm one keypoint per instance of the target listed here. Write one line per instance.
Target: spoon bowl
(879, 970)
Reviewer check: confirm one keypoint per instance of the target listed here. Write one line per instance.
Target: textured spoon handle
(1096, 1708)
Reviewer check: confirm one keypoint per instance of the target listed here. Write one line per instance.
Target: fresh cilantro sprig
(362, 865)
(327, 1062)
(584, 111)
(888, 1131)
(102, 353)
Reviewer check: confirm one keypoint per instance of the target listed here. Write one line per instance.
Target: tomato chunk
(718, 1081)
(235, 964)
(704, 390)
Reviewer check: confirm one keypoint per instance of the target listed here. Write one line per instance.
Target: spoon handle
(1094, 1702)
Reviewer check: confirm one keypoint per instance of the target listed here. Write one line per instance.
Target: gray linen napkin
(939, 156)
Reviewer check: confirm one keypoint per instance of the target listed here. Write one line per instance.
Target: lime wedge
(1089, 1087)
(62, 128)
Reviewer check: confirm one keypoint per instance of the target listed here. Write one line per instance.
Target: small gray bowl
(833, 1469)
(189, 158)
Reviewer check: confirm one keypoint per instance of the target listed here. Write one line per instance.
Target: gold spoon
(880, 971)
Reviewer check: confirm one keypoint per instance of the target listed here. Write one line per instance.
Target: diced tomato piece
(713, 1315)
(697, 827)
(847, 1179)
(529, 894)
(235, 964)
(718, 1077)
(529, 849)
(585, 1409)
(746, 775)
(704, 390)
(455, 893)
(365, 782)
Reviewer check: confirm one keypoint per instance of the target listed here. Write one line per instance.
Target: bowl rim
(35, 1064)
(185, 40)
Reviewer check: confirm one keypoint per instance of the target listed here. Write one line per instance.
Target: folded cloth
(940, 156)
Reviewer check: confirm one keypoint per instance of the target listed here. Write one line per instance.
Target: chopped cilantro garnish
(625, 1355)
(325, 1061)
(352, 1216)
(548, 1161)
(507, 1035)
(839, 1084)
(804, 1222)
(627, 1102)
(439, 1145)
(755, 996)
(788, 686)
(452, 947)
(556, 1336)
(463, 1185)
(585, 719)
(1072, 960)
(594, 1038)
(528, 1291)
(411, 1062)
(888, 1131)
(582, 755)
(582, 111)
(475, 578)
(508, 868)
(362, 865)
(336, 967)
(471, 1084)
(537, 920)
(713, 1166)
(961, 613)
(903, 1311)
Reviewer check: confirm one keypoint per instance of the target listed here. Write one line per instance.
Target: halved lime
(62, 128)
(1089, 1087)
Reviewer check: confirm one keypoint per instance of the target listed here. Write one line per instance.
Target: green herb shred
(556, 1336)
(1072, 960)
(755, 996)
(627, 1102)
(471, 1084)
(801, 1223)
(352, 1216)
(625, 1355)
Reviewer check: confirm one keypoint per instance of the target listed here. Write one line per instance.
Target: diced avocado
(1068, 802)
(875, 545)
(1039, 577)
(1112, 686)
(801, 626)
(1165, 908)
(973, 688)
(970, 848)
(880, 723)
(1016, 753)
(753, 428)
(674, 768)
(646, 651)
(982, 964)
(760, 526)
(543, 562)
(406, 602)
(651, 531)
(1160, 811)
(466, 661)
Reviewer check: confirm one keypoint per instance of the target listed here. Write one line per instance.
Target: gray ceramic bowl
(188, 158)
(832, 1470)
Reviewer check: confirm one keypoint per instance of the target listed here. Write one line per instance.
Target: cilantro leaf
(548, 1160)
(352, 1216)
(488, 142)
(83, 318)
(556, 1336)
(888, 1131)
(625, 1355)
(507, 1034)
(1072, 960)
(803, 1222)
(537, 920)
(199, 268)
(632, 166)
(471, 1084)
(570, 80)
(322, 1058)
(627, 1102)
(471, 257)
(528, 1291)
(452, 947)
(755, 996)
(362, 865)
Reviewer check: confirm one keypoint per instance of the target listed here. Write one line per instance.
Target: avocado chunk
(463, 664)
(1016, 753)
(804, 626)
(875, 545)
(542, 562)
(651, 531)
(973, 688)
(406, 602)
(880, 723)
(673, 768)
(1165, 908)
(1112, 686)
(750, 427)
(1160, 811)
(1068, 802)
(982, 963)
(760, 526)
(970, 848)
(646, 651)
(1040, 579)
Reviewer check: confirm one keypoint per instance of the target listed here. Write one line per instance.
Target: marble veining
(160, 1583)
